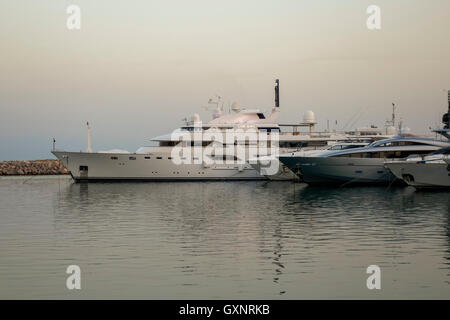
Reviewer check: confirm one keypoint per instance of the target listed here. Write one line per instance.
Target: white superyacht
(157, 163)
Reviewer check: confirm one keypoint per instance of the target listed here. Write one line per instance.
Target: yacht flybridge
(201, 151)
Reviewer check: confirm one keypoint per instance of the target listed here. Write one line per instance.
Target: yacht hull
(422, 175)
(283, 173)
(94, 167)
(339, 171)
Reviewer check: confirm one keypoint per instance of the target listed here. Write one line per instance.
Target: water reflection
(226, 240)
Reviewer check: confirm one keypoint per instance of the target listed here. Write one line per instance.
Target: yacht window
(401, 143)
(168, 143)
(388, 154)
(354, 155)
(373, 155)
(316, 143)
(352, 146)
(132, 158)
(114, 158)
(288, 144)
(159, 158)
(202, 143)
(384, 154)
(268, 130)
(147, 158)
(357, 155)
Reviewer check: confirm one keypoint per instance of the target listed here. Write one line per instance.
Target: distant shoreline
(32, 168)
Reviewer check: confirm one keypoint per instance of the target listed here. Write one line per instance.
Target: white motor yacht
(284, 173)
(359, 165)
(431, 171)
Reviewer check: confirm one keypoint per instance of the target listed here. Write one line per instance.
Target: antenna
(277, 93)
(89, 149)
(54, 142)
(393, 114)
(448, 97)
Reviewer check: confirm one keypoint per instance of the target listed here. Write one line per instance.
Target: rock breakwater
(31, 168)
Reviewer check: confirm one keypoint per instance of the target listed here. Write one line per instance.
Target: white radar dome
(196, 118)
(235, 107)
(309, 117)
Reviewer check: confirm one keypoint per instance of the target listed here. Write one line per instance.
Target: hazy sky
(137, 67)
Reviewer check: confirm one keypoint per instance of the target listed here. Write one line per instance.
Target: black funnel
(277, 93)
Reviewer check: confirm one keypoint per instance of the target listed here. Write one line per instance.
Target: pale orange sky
(136, 68)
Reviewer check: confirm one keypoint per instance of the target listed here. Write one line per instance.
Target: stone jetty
(32, 168)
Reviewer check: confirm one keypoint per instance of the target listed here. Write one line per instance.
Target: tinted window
(351, 146)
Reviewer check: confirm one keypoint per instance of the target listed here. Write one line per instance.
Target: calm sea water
(224, 240)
